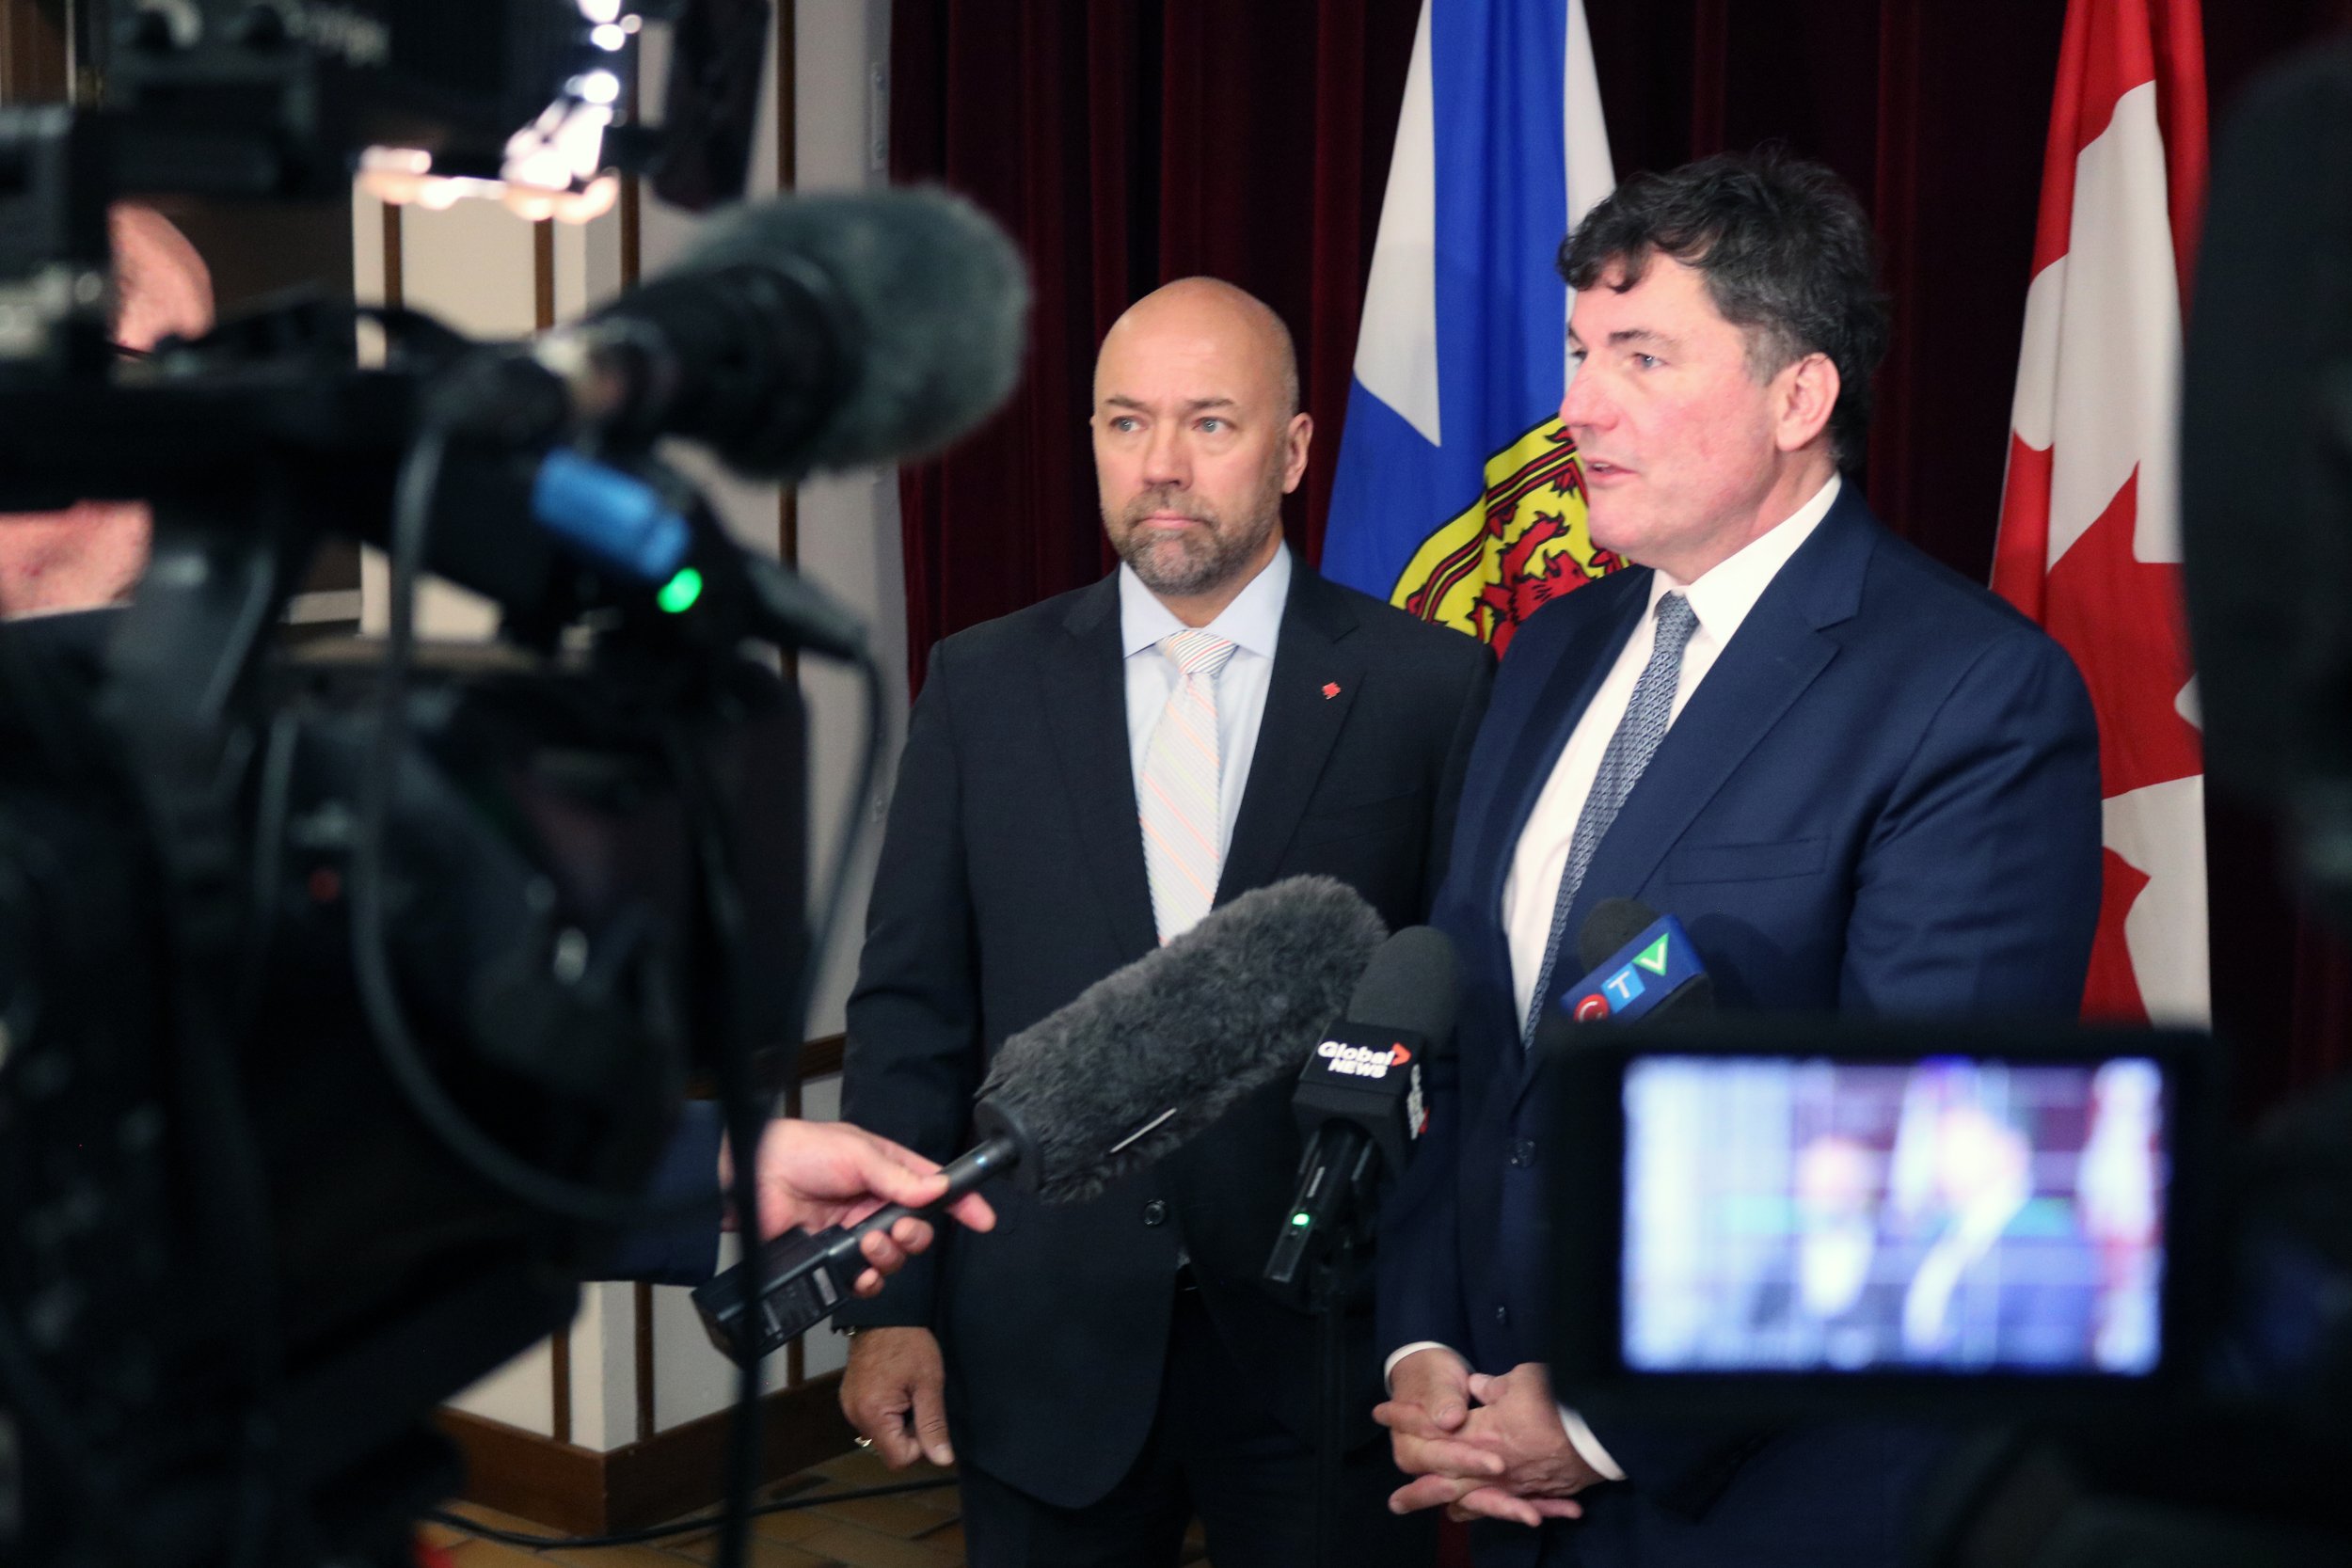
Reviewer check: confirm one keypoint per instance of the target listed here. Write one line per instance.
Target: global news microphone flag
(1458, 494)
(2090, 528)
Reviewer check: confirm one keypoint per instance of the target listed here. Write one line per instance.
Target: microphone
(1639, 962)
(804, 333)
(1139, 1062)
(680, 557)
(1359, 1103)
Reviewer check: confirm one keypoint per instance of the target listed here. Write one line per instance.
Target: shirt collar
(1723, 595)
(1253, 621)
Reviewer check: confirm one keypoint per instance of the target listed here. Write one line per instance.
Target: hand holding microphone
(1143, 1060)
(816, 1174)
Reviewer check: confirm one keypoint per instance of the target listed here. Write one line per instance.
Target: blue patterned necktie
(1630, 749)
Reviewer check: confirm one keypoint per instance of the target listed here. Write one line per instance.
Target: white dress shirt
(1251, 623)
(1719, 599)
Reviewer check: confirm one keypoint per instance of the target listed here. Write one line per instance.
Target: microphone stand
(1333, 1282)
(1331, 1285)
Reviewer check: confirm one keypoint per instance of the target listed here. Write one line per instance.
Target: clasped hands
(1480, 1447)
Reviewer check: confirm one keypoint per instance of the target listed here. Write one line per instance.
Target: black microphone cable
(388, 1025)
(743, 1110)
(372, 966)
(744, 1113)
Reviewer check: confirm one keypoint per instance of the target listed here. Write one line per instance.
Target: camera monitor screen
(1957, 1214)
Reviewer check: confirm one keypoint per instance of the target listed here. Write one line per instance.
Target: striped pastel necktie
(1183, 769)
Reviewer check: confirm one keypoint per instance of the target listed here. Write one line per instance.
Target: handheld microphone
(1360, 1102)
(1142, 1060)
(803, 333)
(1639, 962)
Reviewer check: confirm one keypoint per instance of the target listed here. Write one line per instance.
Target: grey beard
(1181, 573)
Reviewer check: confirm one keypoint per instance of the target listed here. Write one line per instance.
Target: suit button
(1155, 1212)
(1524, 1152)
(1503, 1317)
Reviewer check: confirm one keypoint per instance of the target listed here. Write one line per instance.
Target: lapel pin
(1330, 690)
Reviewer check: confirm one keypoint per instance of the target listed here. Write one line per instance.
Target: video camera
(2041, 1237)
(348, 992)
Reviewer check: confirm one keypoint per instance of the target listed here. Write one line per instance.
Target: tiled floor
(914, 1529)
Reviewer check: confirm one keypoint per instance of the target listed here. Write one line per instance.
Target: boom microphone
(809, 332)
(1639, 962)
(1359, 1103)
(1142, 1060)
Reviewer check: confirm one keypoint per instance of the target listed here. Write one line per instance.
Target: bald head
(1213, 312)
(1197, 436)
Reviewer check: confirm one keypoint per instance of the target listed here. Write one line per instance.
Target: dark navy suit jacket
(1883, 798)
(1012, 877)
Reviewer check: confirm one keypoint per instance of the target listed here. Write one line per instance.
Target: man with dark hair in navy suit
(1862, 782)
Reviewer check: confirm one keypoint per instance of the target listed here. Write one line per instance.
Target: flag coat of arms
(1458, 494)
(2090, 536)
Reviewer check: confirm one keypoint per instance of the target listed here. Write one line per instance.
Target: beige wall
(473, 266)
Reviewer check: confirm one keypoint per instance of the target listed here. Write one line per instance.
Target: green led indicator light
(1302, 1221)
(679, 594)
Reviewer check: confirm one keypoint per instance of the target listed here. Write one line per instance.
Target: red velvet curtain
(1127, 142)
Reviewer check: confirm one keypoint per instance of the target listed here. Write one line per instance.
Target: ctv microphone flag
(2090, 537)
(1459, 496)
(1657, 967)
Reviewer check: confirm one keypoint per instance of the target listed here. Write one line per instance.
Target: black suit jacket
(1012, 878)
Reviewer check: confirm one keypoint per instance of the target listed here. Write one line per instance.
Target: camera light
(600, 86)
(601, 10)
(396, 160)
(679, 594)
(607, 36)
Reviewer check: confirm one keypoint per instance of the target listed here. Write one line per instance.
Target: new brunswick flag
(1458, 494)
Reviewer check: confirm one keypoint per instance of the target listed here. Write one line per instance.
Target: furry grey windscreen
(1232, 1005)
(1612, 922)
(938, 292)
(1409, 986)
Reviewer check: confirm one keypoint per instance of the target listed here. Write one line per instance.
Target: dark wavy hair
(1786, 252)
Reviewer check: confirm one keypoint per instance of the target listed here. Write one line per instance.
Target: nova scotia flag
(1458, 494)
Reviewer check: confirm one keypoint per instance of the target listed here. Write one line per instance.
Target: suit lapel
(1085, 685)
(1779, 651)
(1501, 790)
(1315, 682)
(1577, 670)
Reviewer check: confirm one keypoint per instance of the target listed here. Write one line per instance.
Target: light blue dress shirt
(1251, 623)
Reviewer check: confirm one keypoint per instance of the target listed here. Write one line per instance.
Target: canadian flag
(2090, 536)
